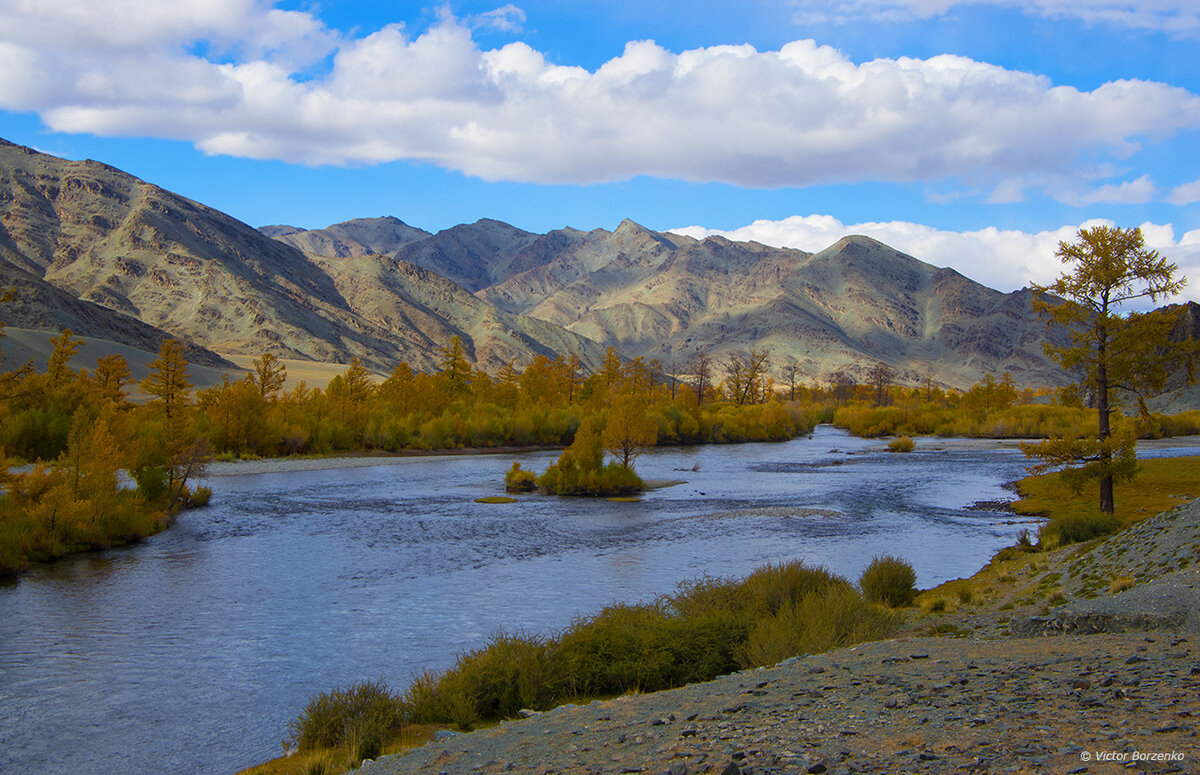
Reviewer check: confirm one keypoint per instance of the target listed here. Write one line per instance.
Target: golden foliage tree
(65, 347)
(269, 375)
(629, 431)
(1115, 351)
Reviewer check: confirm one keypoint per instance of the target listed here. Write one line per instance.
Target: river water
(191, 651)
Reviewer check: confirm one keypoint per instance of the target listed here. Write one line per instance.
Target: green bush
(835, 617)
(568, 477)
(197, 498)
(1076, 528)
(902, 444)
(889, 580)
(708, 627)
(510, 673)
(360, 716)
(519, 480)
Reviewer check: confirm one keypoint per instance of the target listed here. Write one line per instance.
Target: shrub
(568, 477)
(902, 444)
(889, 580)
(197, 498)
(519, 480)
(832, 618)
(709, 627)
(1075, 528)
(361, 716)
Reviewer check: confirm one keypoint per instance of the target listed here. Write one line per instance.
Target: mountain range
(667, 296)
(125, 248)
(91, 247)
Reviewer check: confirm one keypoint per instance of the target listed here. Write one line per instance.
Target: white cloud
(1176, 17)
(1139, 191)
(229, 76)
(1002, 259)
(508, 18)
(1185, 194)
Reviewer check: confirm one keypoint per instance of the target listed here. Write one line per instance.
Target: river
(191, 651)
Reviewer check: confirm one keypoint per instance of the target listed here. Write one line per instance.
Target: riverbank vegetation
(708, 627)
(1073, 516)
(82, 432)
(65, 420)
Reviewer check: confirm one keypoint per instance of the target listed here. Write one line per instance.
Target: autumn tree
(790, 372)
(454, 366)
(701, 372)
(841, 385)
(744, 375)
(64, 348)
(168, 379)
(880, 378)
(629, 431)
(176, 451)
(607, 377)
(106, 385)
(349, 392)
(1115, 350)
(269, 375)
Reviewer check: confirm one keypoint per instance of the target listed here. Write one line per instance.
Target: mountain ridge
(128, 246)
(661, 295)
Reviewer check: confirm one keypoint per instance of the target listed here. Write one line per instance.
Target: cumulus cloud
(230, 76)
(1175, 17)
(1185, 194)
(999, 258)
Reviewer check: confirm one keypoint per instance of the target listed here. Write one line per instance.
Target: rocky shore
(1107, 681)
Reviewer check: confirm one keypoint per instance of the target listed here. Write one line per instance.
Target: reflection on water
(192, 651)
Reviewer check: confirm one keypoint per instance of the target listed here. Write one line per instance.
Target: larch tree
(168, 380)
(630, 431)
(455, 367)
(109, 379)
(183, 454)
(269, 375)
(65, 347)
(1113, 349)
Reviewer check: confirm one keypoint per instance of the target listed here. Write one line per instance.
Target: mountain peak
(628, 226)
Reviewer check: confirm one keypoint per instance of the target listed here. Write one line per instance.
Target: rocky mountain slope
(38, 305)
(661, 295)
(106, 237)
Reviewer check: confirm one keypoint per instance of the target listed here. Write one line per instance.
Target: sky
(974, 134)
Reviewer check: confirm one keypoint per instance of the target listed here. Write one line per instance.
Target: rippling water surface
(192, 651)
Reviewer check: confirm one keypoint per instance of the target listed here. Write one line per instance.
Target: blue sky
(971, 134)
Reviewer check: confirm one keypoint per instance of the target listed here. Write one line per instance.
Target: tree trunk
(1106, 479)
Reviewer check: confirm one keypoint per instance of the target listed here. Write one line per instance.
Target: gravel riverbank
(1125, 697)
